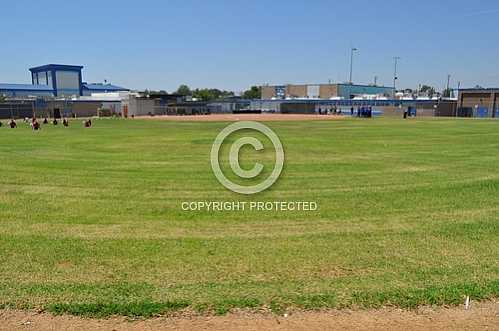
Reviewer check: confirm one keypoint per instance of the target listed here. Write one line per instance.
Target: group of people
(333, 111)
(410, 112)
(365, 112)
(35, 124)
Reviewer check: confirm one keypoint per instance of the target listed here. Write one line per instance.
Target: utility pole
(448, 86)
(396, 59)
(351, 64)
(458, 101)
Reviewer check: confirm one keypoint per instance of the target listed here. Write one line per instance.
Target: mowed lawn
(91, 220)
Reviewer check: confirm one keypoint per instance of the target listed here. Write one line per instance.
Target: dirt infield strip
(245, 117)
(481, 316)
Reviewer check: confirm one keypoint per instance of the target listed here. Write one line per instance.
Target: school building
(57, 80)
(324, 91)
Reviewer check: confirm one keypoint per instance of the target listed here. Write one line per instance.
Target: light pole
(396, 59)
(447, 90)
(351, 63)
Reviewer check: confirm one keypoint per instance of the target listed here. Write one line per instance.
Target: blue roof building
(65, 80)
(88, 89)
(26, 90)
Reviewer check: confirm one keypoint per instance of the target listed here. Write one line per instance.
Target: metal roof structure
(61, 67)
(103, 87)
(25, 88)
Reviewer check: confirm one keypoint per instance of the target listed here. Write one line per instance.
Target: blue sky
(235, 44)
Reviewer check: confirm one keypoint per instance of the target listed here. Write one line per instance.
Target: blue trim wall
(25, 90)
(62, 67)
(54, 82)
(81, 83)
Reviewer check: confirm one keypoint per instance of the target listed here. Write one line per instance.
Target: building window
(49, 78)
(42, 78)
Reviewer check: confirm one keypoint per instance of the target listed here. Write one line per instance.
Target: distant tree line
(255, 92)
(210, 94)
(429, 91)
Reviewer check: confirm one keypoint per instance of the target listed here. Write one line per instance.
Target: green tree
(148, 92)
(211, 94)
(428, 90)
(184, 90)
(255, 92)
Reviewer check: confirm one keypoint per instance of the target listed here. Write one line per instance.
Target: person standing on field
(35, 125)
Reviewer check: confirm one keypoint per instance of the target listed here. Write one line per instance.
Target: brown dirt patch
(245, 117)
(480, 316)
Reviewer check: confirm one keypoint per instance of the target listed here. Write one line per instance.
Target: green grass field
(91, 220)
